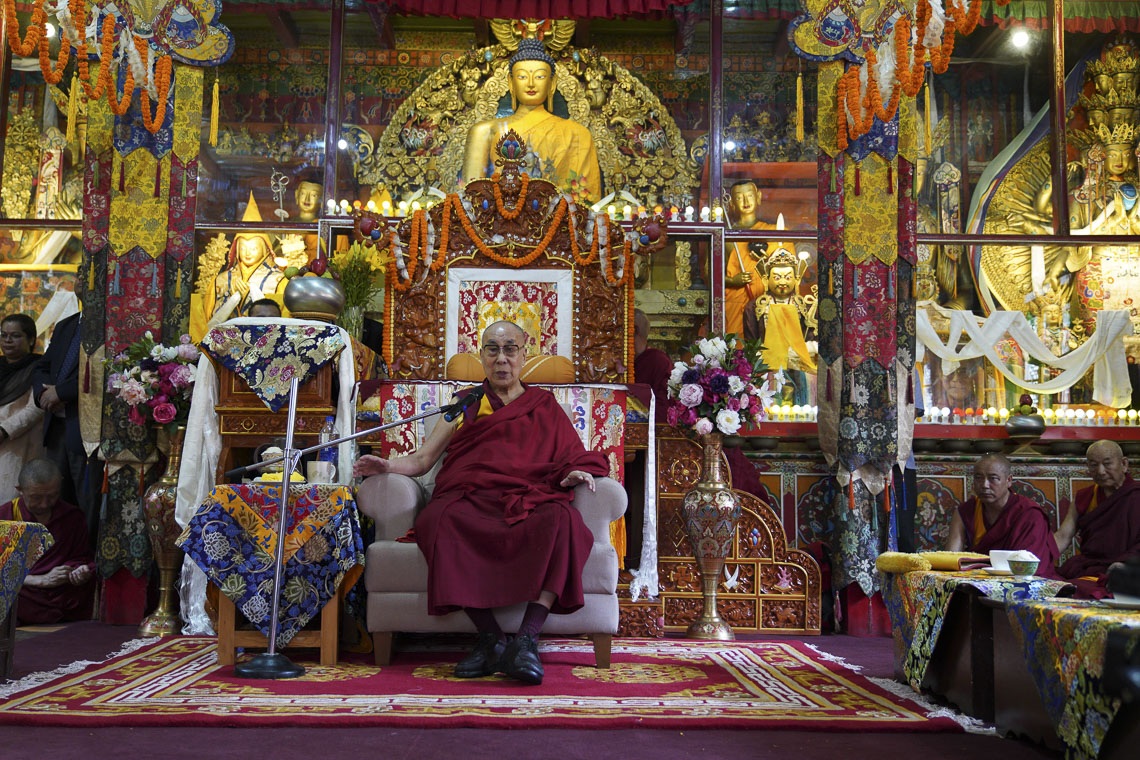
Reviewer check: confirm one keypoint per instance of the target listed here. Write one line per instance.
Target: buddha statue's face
(251, 251)
(1103, 83)
(531, 82)
(1053, 315)
(308, 197)
(745, 199)
(782, 282)
(1118, 159)
(1118, 116)
(1124, 81)
(1095, 116)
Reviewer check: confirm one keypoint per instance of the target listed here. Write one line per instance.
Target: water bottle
(328, 454)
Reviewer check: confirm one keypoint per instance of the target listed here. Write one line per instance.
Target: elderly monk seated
(997, 518)
(60, 586)
(500, 528)
(1105, 519)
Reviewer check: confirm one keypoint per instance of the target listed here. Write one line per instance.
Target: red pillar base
(863, 615)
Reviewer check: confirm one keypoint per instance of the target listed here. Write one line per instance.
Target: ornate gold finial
(554, 33)
(510, 152)
(1121, 134)
(1121, 58)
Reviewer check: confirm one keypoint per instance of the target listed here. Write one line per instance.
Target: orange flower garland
(519, 201)
(910, 68)
(23, 47)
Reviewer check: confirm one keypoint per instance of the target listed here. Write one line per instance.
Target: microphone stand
(271, 664)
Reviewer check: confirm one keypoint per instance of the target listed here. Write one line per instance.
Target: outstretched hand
(576, 477)
(370, 465)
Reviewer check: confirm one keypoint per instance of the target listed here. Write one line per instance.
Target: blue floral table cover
(268, 357)
(1063, 643)
(233, 539)
(917, 604)
(21, 546)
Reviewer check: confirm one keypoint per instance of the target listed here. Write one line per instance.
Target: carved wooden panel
(766, 586)
(642, 619)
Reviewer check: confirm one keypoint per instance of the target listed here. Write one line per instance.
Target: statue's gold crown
(1119, 59)
(1112, 99)
(1121, 134)
(782, 257)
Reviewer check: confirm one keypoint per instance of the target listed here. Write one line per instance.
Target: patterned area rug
(654, 683)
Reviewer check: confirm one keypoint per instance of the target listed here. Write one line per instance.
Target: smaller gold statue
(787, 322)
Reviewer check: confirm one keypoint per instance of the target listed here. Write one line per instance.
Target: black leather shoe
(520, 660)
(484, 658)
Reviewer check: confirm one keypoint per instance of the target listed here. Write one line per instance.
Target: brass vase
(711, 511)
(163, 529)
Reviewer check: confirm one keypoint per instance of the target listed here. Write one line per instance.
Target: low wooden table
(323, 638)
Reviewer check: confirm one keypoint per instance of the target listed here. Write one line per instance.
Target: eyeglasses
(510, 350)
(13, 336)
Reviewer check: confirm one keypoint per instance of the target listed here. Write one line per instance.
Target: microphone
(460, 406)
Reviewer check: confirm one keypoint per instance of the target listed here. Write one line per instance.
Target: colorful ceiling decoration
(887, 44)
(136, 41)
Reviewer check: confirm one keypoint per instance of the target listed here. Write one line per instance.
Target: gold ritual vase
(711, 511)
(158, 508)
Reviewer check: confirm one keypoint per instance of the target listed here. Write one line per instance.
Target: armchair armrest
(602, 506)
(392, 501)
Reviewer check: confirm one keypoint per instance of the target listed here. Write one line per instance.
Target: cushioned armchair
(395, 573)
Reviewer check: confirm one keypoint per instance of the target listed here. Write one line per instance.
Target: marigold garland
(519, 201)
(857, 110)
(35, 37)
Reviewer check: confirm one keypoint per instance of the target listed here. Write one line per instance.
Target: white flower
(691, 394)
(679, 369)
(735, 384)
(704, 426)
(728, 421)
(713, 349)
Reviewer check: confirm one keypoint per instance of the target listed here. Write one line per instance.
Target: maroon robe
(72, 547)
(499, 528)
(1022, 525)
(1108, 533)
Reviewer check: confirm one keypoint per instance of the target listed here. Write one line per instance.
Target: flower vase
(352, 320)
(711, 511)
(158, 508)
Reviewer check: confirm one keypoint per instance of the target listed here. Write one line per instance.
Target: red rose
(165, 413)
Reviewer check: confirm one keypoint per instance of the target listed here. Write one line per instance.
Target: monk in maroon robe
(60, 585)
(500, 528)
(998, 518)
(1105, 519)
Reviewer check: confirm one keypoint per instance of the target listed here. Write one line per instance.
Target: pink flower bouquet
(720, 389)
(155, 381)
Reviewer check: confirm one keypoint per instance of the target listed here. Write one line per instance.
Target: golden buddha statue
(561, 151)
(1102, 186)
(743, 282)
(786, 321)
(251, 273)
(308, 197)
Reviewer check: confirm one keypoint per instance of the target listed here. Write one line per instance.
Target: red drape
(533, 8)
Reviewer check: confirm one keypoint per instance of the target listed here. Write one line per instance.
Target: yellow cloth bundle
(954, 560)
(900, 562)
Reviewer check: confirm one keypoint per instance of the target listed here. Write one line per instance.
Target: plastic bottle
(329, 454)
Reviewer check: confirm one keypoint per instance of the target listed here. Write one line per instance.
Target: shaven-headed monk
(998, 518)
(501, 527)
(1105, 519)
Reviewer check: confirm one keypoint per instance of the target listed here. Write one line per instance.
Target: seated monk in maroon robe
(997, 518)
(60, 585)
(500, 527)
(1105, 519)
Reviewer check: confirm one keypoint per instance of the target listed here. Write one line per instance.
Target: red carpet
(653, 684)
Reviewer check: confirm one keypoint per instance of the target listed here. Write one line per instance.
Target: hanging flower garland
(73, 28)
(403, 265)
(860, 89)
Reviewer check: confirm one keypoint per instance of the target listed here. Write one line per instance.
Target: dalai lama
(500, 528)
(997, 518)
